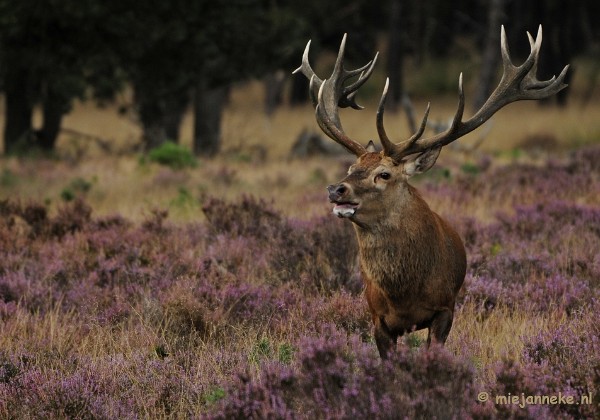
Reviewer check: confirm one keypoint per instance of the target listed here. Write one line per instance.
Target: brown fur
(413, 263)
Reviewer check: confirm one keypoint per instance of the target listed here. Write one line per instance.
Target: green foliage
(512, 154)
(7, 178)
(436, 174)
(470, 168)
(495, 249)
(78, 187)
(8, 370)
(261, 350)
(264, 350)
(413, 341)
(161, 351)
(52, 53)
(185, 201)
(285, 353)
(214, 395)
(516, 153)
(67, 195)
(318, 176)
(55, 52)
(173, 156)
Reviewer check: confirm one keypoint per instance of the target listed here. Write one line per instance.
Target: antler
(517, 83)
(329, 94)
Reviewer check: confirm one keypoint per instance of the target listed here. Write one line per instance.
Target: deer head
(377, 177)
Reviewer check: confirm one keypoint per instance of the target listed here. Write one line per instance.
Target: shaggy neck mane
(398, 253)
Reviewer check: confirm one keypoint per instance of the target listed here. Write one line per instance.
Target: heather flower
(344, 377)
(254, 313)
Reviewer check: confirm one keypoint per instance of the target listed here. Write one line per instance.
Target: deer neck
(398, 251)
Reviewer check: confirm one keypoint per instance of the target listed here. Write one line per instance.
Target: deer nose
(336, 191)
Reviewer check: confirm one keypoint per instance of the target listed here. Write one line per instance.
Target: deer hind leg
(440, 327)
(384, 338)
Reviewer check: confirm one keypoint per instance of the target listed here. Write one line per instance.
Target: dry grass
(245, 125)
(498, 336)
(122, 185)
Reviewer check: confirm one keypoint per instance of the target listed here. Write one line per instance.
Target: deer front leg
(440, 326)
(384, 338)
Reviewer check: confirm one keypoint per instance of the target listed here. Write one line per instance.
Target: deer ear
(371, 146)
(417, 164)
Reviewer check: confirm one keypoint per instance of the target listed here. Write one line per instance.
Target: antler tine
(530, 79)
(361, 70)
(504, 50)
(526, 73)
(331, 129)
(529, 65)
(313, 86)
(389, 148)
(349, 92)
(421, 129)
(415, 145)
(517, 83)
(306, 69)
(536, 51)
(340, 75)
(460, 109)
(405, 146)
(329, 94)
(347, 97)
(386, 143)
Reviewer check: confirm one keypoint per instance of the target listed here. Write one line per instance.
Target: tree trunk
(151, 113)
(557, 21)
(174, 115)
(18, 112)
(208, 110)
(55, 106)
(395, 56)
(160, 115)
(154, 134)
(491, 54)
(299, 90)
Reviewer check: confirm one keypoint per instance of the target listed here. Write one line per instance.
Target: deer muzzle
(338, 194)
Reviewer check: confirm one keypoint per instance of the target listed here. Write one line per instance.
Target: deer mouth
(345, 209)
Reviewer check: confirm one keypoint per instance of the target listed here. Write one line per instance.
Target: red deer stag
(413, 263)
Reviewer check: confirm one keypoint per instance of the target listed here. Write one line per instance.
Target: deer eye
(384, 176)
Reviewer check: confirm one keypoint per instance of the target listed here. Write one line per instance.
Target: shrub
(173, 155)
(321, 253)
(248, 217)
(254, 314)
(78, 187)
(71, 217)
(344, 378)
(567, 360)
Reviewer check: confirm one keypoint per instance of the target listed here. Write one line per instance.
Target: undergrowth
(255, 314)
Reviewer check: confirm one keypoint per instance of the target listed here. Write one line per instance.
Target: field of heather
(130, 289)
